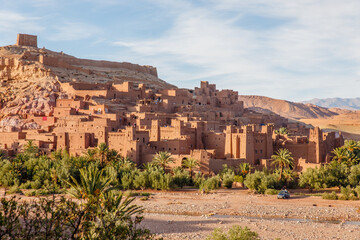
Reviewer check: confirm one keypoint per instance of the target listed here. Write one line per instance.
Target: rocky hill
(30, 77)
(285, 108)
(344, 103)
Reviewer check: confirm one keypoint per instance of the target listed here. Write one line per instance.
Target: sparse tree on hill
(163, 159)
(190, 163)
(282, 158)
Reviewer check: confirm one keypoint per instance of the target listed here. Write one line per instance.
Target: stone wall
(26, 40)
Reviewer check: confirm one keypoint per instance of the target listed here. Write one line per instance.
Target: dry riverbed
(190, 215)
(187, 214)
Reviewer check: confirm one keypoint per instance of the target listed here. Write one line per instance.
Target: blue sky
(294, 50)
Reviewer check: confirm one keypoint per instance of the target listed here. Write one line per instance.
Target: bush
(141, 181)
(210, 184)
(239, 179)
(181, 177)
(357, 191)
(198, 180)
(354, 176)
(36, 184)
(228, 179)
(26, 185)
(347, 193)
(260, 181)
(330, 196)
(271, 191)
(14, 189)
(312, 178)
(234, 233)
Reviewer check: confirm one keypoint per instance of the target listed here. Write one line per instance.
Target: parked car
(283, 194)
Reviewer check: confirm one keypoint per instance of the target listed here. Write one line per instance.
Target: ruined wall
(26, 40)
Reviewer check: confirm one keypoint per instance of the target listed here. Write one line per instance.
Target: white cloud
(13, 21)
(315, 48)
(73, 31)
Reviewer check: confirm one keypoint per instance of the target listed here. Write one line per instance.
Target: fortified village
(139, 119)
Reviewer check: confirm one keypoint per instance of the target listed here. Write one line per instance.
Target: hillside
(285, 108)
(344, 103)
(30, 77)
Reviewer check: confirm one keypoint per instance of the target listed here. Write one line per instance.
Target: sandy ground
(190, 215)
(187, 214)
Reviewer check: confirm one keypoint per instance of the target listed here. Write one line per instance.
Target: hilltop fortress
(139, 115)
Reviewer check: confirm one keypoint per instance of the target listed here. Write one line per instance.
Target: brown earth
(187, 214)
(348, 123)
(190, 215)
(285, 108)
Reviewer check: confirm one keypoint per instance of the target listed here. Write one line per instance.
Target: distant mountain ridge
(344, 103)
(285, 108)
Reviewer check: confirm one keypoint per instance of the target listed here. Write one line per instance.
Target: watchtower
(26, 40)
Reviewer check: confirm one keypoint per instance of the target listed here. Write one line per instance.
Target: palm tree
(93, 184)
(340, 154)
(190, 163)
(245, 168)
(282, 131)
(90, 154)
(30, 148)
(163, 159)
(283, 159)
(103, 151)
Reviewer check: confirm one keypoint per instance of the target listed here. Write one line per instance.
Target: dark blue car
(283, 194)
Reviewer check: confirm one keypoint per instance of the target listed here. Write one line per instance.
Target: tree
(282, 131)
(92, 184)
(340, 154)
(163, 159)
(90, 154)
(190, 163)
(313, 178)
(102, 152)
(244, 169)
(31, 149)
(282, 159)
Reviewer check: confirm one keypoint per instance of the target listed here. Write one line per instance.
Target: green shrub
(354, 176)
(260, 181)
(357, 191)
(210, 184)
(228, 179)
(145, 194)
(181, 177)
(346, 193)
(234, 233)
(127, 181)
(239, 179)
(313, 178)
(26, 185)
(141, 181)
(271, 191)
(330, 196)
(198, 180)
(30, 193)
(36, 184)
(14, 189)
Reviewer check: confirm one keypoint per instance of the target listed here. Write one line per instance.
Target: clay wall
(77, 104)
(213, 140)
(106, 64)
(8, 140)
(26, 40)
